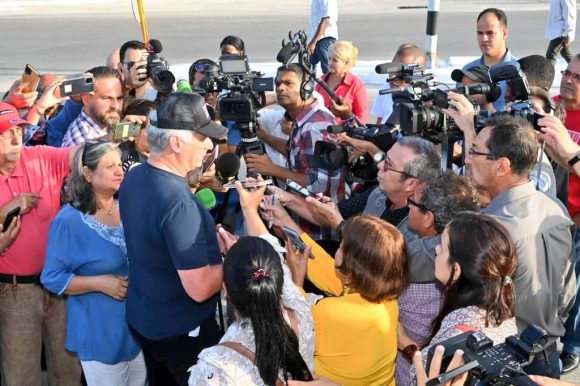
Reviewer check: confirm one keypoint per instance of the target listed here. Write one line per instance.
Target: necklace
(110, 211)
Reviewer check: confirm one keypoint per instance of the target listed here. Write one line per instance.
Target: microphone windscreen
(184, 87)
(285, 53)
(386, 68)
(227, 166)
(155, 45)
(206, 197)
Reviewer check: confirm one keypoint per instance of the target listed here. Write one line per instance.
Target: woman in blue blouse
(86, 259)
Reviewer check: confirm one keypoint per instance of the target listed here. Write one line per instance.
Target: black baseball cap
(478, 74)
(187, 112)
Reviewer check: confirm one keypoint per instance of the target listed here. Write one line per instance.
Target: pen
(273, 202)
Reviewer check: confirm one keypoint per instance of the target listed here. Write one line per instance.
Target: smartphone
(9, 217)
(297, 188)
(255, 184)
(124, 130)
(76, 86)
(31, 76)
(298, 243)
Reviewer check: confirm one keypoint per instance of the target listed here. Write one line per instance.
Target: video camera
(488, 364)
(332, 156)
(243, 90)
(158, 69)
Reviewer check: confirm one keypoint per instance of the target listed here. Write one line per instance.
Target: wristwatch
(572, 161)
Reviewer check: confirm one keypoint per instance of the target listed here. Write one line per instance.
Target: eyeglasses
(490, 156)
(422, 207)
(386, 167)
(569, 74)
(200, 67)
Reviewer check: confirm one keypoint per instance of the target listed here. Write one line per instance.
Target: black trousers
(168, 360)
(556, 47)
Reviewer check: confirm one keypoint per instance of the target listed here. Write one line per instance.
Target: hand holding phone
(76, 86)
(299, 189)
(295, 238)
(9, 217)
(124, 130)
(32, 77)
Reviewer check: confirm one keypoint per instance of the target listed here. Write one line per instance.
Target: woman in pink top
(350, 89)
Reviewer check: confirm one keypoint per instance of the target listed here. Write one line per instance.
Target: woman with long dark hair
(272, 339)
(475, 262)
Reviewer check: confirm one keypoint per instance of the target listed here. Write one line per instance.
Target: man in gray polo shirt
(499, 161)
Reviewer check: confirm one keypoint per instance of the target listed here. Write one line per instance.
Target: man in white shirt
(560, 29)
(323, 31)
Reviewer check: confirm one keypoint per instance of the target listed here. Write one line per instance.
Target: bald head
(410, 53)
(113, 59)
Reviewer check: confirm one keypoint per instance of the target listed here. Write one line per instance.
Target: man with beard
(101, 109)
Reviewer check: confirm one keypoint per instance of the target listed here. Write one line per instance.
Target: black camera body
(493, 365)
(158, 72)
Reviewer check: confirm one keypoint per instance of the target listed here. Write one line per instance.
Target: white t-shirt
(383, 106)
(270, 120)
(320, 9)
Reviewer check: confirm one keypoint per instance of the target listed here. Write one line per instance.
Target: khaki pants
(29, 316)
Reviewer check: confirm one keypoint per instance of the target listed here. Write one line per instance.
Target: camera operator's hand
(19, 99)
(341, 110)
(325, 211)
(137, 75)
(259, 163)
(559, 144)
(360, 145)
(462, 113)
(435, 368)
(545, 381)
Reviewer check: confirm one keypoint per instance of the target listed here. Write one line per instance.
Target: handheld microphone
(396, 90)
(206, 197)
(227, 166)
(184, 87)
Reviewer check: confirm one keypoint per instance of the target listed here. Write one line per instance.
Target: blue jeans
(320, 53)
(571, 338)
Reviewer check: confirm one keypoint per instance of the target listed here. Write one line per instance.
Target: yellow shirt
(356, 340)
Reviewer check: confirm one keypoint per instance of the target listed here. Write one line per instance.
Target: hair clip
(507, 281)
(259, 273)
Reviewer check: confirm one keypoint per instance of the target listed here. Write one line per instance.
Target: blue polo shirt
(166, 229)
(499, 104)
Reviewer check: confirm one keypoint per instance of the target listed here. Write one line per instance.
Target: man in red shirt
(570, 99)
(30, 178)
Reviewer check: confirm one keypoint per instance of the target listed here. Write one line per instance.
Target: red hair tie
(259, 273)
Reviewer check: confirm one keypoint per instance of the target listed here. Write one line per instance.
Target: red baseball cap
(9, 117)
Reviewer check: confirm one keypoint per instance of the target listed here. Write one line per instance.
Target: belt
(15, 279)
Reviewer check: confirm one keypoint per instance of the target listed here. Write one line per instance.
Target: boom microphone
(287, 51)
(227, 166)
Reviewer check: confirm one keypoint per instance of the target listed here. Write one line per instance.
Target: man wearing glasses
(499, 161)
(133, 68)
(570, 99)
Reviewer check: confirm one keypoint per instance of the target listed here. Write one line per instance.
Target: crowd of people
(117, 271)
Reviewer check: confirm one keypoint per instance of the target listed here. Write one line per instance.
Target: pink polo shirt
(41, 170)
(353, 91)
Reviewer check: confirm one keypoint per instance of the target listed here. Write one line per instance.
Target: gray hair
(447, 196)
(159, 138)
(427, 163)
(79, 192)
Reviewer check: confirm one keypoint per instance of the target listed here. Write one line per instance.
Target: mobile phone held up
(76, 86)
(32, 77)
(124, 130)
(9, 217)
(298, 243)
(299, 189)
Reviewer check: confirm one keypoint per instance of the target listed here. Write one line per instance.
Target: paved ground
(68, 36)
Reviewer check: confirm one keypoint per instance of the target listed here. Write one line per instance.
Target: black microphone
(155, 46)
(396, 90)
(386, 68)
(287, 51)
(227, 166)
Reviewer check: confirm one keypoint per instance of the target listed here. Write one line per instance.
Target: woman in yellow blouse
(356, 328)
